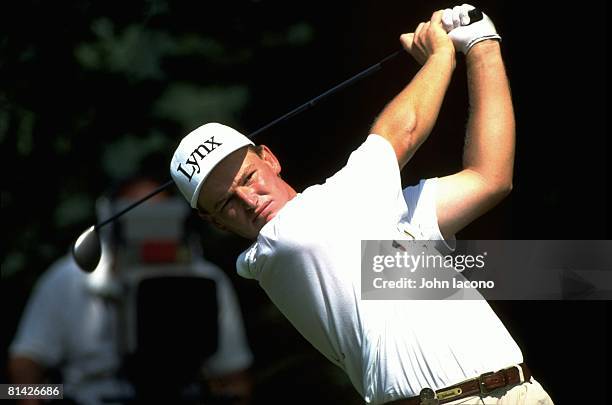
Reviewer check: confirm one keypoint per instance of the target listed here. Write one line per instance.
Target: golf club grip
(475, 15)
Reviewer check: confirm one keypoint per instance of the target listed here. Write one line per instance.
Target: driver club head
(87, 250)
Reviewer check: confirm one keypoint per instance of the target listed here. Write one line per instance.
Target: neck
(291, 193)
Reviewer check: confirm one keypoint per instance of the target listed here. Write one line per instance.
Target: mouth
(262, 211)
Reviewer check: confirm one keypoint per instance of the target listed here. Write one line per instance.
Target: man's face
(244, 191)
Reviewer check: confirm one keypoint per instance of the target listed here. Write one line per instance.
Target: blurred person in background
(79, 325)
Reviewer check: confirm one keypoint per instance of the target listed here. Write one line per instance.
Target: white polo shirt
(307, 259)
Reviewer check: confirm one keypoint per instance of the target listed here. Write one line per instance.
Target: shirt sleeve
(421, 202)
(39, 334)
(233, 353)
(371, 176)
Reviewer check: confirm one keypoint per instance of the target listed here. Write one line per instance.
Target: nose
(247, 196)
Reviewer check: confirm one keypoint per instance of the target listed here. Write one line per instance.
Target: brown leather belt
(481, 385)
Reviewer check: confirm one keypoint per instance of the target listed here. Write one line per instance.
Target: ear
(269, 157)
(211, 219)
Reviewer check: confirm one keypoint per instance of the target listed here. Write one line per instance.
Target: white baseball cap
(199, 152)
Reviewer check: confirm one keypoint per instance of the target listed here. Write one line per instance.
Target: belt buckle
(481, 383)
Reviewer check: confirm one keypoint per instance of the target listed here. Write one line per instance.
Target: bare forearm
(409, 118)
(489, 148)
(23, 370)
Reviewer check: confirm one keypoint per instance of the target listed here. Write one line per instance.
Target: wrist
(484, 54)
(485, 47)
(445, 56)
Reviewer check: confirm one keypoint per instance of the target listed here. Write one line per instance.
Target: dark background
(91, 92)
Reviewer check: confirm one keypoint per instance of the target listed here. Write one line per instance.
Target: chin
(253, 233)
(271, 216)
(248, 235)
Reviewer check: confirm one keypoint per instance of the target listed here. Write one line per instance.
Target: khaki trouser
(527, 393)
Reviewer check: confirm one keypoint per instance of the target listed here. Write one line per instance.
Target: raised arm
(408, 119)
(488, 154)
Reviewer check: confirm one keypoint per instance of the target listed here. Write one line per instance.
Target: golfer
(306, 249)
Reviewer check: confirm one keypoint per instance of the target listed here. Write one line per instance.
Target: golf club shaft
(134, 204)
(310, 103)
(475, 15)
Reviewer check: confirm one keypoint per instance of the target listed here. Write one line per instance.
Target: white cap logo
(199, 152)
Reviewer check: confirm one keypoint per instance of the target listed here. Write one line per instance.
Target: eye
(226, 204)
(248, 178)
(222, 206)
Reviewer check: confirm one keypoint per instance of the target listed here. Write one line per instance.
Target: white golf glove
(456, 22)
